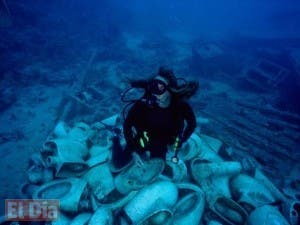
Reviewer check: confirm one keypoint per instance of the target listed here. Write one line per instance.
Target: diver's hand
(137, 159)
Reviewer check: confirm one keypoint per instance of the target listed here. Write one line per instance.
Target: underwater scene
(150, 112)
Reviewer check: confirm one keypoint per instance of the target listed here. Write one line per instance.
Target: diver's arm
(190, 119)
(128, 125)
(132, 121)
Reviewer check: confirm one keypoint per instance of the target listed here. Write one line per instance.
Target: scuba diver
(161, 118)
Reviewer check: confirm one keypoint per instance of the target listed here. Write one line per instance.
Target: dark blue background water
(62, 33)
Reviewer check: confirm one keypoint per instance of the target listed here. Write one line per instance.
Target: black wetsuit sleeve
(132, 120)
(189, 117)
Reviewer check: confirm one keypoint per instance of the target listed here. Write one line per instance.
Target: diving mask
(157, 87)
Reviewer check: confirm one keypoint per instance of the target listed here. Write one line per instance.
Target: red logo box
(31, 209)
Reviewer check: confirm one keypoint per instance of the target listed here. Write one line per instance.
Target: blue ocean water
(71, 61)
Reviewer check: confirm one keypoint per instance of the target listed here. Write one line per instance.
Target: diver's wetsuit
(162, 125)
